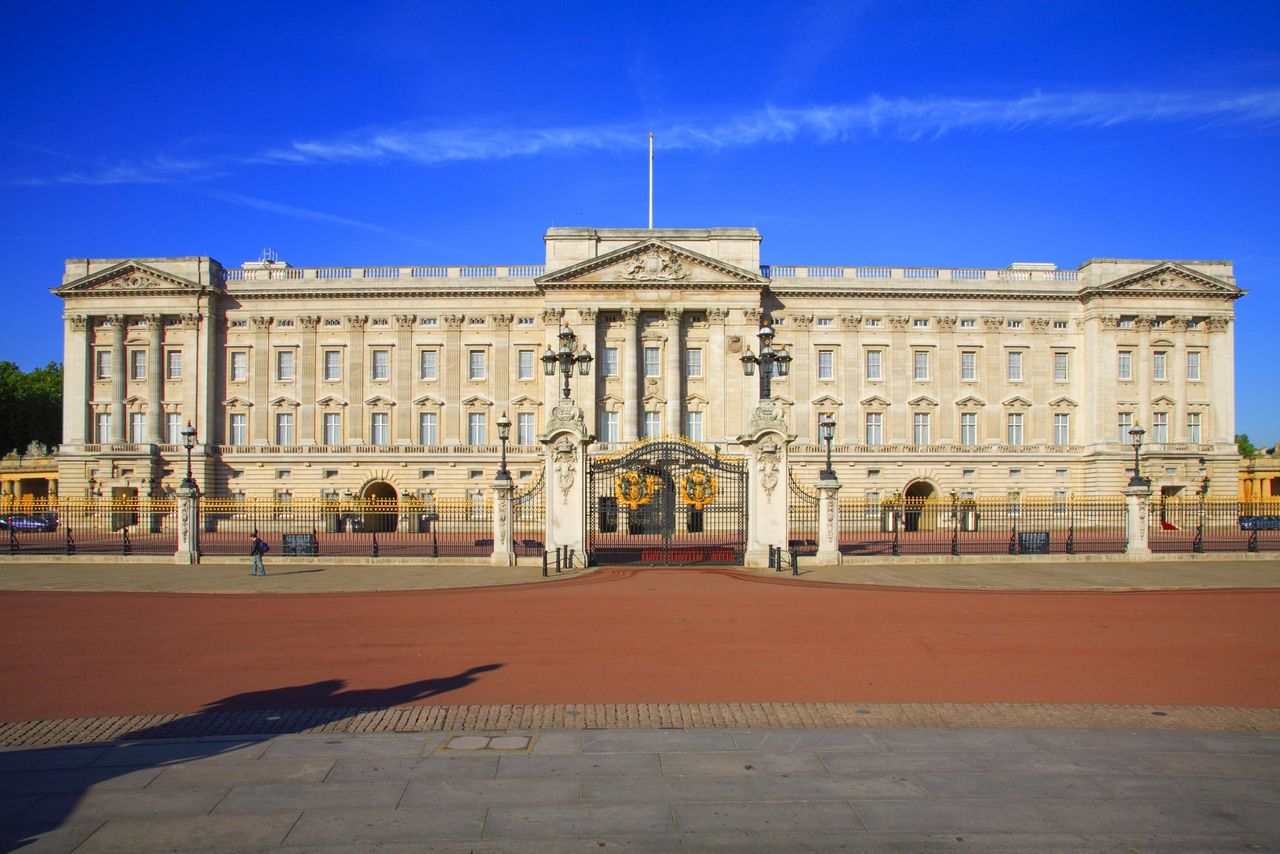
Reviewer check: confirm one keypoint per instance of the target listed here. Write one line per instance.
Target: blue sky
(907, 133)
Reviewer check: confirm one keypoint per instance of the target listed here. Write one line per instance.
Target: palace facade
(388, 381)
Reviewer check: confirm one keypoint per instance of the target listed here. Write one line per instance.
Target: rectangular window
(609, 362)
(284, 428)
(332, 365)
(1160, 427)
(873, 322)
(609, 427)
(1159, 365)
(1193, 366)
(1060, 366)
(693, 426)
(1124, 365)
(825, 321)
(381, 367)
(284, 366)
(1124, 423)
(476, 428)
(652, 424)
(524, 365)
(1061, 428)
(525, 429)
(102, 364)
(173, 428)
(875, 425)
(1014, 324)
(874, 364)
(138, 364)
(428, 365)
(826, 364)
(920, 364)
(238, 429)
(102, 427)
(239, 366)
(920, 428)
(1193, 427)
(380, 428)
(652, 362)
(968, 323)
(1015, 428)
(137, 427)
(968, 365)
(920, 323)
(693, 363)
(428, 428)
(1059, 324)
(477, 369)
(968, 428)
(173, 365)
(1015, 365)
(333, 428)
(1125, 323)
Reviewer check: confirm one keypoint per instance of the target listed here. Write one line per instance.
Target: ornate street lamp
(1198, 544)
(568, 355)
(504, 433)
(827, 433)
(769, 356)
(188, 442)
(1135, 436)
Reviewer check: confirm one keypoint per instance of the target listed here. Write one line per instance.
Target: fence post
(544, 563)
(828, 522)
(1135, 520)
(188, 551)
(504, 553)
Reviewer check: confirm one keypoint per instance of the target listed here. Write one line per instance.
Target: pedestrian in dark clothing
(256, 552)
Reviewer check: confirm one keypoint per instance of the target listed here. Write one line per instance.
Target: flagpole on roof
(651, 181)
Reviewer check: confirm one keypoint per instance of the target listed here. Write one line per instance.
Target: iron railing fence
(349, 527)
(120, 526)
(802, 518)
(1214, 525)
(529, 518)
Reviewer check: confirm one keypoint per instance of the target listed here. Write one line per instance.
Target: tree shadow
(42, 790)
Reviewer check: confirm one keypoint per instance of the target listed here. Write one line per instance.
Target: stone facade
(333, 381)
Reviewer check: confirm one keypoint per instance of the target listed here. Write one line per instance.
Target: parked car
(40, 522)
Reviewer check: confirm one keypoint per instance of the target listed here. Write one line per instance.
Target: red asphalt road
(633, 636)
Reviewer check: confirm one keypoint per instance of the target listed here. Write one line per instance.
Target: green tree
(30, 406)
(1246, 447)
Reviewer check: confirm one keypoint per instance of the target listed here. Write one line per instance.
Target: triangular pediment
(696, 398)
(131, 278)
(971, 400)
(1162, 401)
(1063, 402)
(526, 400)
(874, 401)
(652, 264)
(135, 400)
(651, 400)
(379, 400)
(428, 400)
(827, 400)
(1017, 402)
(922, 400)
(283, 401)
(1167, 278)
(331, 400)
(237, 401)
(476, 400)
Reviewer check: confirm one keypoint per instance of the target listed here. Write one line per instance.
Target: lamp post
(1198, 545)
(188, 442)
(1135, 436)
(566, 357)
(955, 522)
(827, 432)
(504, 433)
(769, 356)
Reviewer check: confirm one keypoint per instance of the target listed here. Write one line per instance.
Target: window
(238, 429)
(1193, 366)
(610, 361)
(102, 364)
(652, 424)
(968, 428)
(428, 428)
(102, 427)
(430, 321)
(173, 428)
(1159, 365)
(524, 365)
(1124, 423)
(1124, 365)
(1015, 428)
(1125, 323)
(428, 365)
(920, 428)
(920, 364)
(284, 366)
(609, 427)
(477, 369)
(826, 364)
(873, 321)
(381, 365)
(1062, 428)
(693, 363)
(875, 424)
(137, 364)
(920, 323)
(332, 365)
(332, 428)
(1193, 427)
(693, 426)
(968, 365)
(1059, 324)
(284, 428)
(476, 428)
(173, 365)
(380, 429)
(825, 321)
(1060, 365)
(239, 366)
(874, 364)
(1014, 324)
(1015, 365)
(1160, 427)
(524, 321)
(968, 323)
(525, 429)
(137, 427)
(651, 362)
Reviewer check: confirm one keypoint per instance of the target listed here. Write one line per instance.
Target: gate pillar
(766, 442)
(1136, 505)
(188, 525)
(504, 553)
(565, 478)
(828, 522)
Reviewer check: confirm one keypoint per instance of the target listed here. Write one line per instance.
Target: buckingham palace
(391, 381)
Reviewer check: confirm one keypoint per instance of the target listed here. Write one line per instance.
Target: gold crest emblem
(698, 489)
(634, 490)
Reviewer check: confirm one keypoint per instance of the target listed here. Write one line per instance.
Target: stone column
(354, 379)
(504, 553)
(632, 390)
(188, 526)
(671, 382)
(155, 379)
(1137, 505)
(77, 380)
(118, 372)
(307, 370)
(566, 443)
(502, 356)
(829, 522)
(802, 374)
(716, 379)
(851, 378)
(195, 382)
(402, 428)
(260, 383)
(585, 387)
(766, 443)
(455, 362)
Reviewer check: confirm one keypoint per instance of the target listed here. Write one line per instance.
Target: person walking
(256, 551)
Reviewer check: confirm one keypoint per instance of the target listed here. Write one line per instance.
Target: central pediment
(1167, 279)
(130, 278)
(652, 264)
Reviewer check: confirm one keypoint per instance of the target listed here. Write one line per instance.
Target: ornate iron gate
(667, 501)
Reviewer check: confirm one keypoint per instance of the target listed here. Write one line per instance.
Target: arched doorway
(381, 507)
(915, 516)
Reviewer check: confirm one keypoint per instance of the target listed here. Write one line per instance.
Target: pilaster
(155, 379)
(629, 359)
(354, 379)
(260, 382)
(119, 370)
(307, 368)
(402, 427)
(672, 385)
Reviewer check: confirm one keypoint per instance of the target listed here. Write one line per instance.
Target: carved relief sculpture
(565, 462)
(767, 460)
(656, 265)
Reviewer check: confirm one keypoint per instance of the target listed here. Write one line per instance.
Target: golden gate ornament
(698, 489)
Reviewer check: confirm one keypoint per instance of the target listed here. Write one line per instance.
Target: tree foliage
(1246, 447)
(30, 406)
